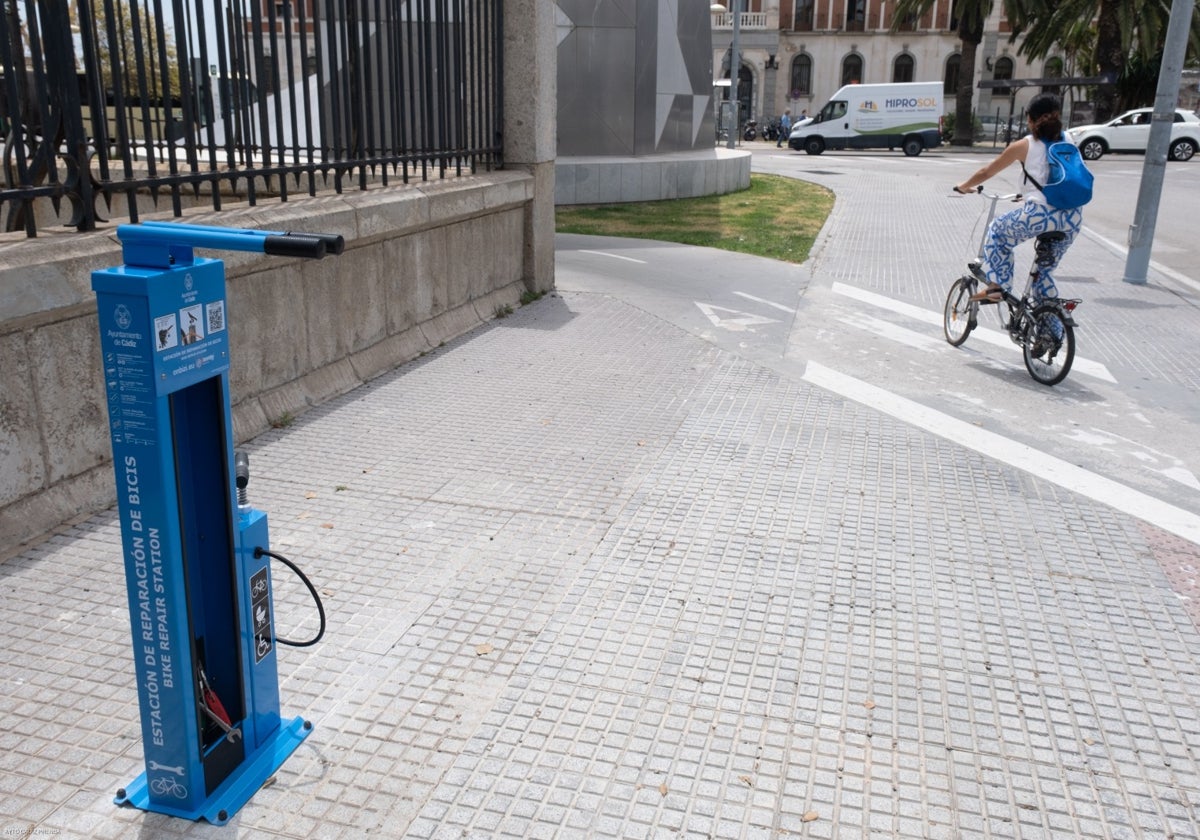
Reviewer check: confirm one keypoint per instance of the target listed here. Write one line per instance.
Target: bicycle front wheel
(1049, 345)
(958, 318)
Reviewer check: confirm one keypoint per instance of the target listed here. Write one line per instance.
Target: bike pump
(199, 585)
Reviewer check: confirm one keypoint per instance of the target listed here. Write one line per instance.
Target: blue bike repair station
(197, 558)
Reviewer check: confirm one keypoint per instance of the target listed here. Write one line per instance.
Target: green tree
(138, 52)
(970, 16)
(1117, 38)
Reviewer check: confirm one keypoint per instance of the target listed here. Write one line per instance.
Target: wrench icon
(154, 765)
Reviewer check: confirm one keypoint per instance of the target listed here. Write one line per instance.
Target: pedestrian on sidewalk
(1033, 217)
(785, 127)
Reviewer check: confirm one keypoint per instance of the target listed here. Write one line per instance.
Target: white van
(904, 114)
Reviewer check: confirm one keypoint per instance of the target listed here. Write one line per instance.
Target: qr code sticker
(216, 316)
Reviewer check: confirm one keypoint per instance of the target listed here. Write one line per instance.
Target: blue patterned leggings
(1008, 231)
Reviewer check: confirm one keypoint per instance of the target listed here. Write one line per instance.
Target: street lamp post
(735, 62)
(1145, 217)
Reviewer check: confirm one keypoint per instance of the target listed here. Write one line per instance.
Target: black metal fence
(103, 101)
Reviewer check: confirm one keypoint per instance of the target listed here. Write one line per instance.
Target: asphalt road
(1112, 211)
(1110, 214)
(864, 315)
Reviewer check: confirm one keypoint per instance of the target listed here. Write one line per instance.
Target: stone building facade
(796, 53)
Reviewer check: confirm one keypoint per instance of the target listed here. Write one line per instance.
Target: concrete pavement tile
(605, 580)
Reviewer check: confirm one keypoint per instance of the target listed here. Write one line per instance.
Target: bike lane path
(1013, 547)
(873, 310)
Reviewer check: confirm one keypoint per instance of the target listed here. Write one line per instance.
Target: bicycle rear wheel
(958, 317)
(1048, 345)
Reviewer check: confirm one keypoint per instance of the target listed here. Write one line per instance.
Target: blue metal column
(199, 589)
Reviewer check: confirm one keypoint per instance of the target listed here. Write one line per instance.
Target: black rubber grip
(334, 242)
(302, 245)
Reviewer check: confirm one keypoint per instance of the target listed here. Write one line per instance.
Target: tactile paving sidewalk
(588, 576)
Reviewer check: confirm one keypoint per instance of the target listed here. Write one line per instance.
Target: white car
(1130, 132)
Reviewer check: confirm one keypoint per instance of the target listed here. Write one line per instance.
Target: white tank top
(1036, 166)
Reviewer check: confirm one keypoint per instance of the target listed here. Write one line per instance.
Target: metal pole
(1141, 232)
(735, 63)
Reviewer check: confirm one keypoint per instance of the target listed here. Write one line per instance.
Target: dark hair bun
(1044, 103)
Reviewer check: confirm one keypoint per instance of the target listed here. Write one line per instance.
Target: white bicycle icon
(166, 786)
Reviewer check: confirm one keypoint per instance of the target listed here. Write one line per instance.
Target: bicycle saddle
(1043, 247)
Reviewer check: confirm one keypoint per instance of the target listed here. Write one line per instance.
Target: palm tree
(1113, 38)
(970, 16)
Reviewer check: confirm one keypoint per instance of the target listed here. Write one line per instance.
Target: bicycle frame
(1043, 329)
(1016, 304)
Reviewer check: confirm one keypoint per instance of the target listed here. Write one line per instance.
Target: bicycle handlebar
(994, 196)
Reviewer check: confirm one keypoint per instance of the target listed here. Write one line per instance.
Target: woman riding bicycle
(1033, 217)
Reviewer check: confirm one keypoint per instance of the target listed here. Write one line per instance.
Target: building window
(856, 15)
(801, 76)
(953, 63)
(1002, 73)
(852, 69)
(802, 19)
(903, 68)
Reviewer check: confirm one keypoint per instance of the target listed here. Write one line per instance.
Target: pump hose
(260, 552)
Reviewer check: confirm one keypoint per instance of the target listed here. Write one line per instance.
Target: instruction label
(190, 329)
(260, 607)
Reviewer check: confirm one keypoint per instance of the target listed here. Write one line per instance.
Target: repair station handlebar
(167, 243)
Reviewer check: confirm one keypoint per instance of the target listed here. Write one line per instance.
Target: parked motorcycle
(750, 131)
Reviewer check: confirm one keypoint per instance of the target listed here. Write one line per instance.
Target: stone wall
(609, 179)
(423, 264)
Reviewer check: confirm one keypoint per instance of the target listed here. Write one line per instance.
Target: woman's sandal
(992, 293)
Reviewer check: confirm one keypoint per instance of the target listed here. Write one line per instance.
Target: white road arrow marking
(614, 256)
(735, 321)
(778, 306)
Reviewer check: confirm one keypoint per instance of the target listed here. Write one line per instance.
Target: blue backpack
(1069, 184)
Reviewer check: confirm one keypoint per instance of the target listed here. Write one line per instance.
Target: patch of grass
(528, 297)
(503, 311)
(283, 421)
(777, 217)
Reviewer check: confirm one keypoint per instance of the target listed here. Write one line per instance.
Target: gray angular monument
(636, 120)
